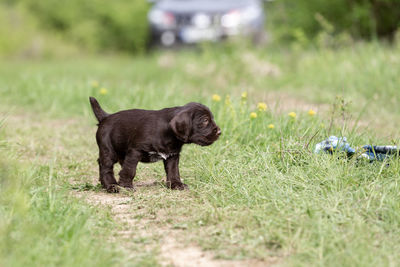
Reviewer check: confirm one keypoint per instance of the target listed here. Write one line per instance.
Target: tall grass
(269, 195)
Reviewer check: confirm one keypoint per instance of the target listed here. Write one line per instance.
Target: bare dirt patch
(192, 255)
(138, 220)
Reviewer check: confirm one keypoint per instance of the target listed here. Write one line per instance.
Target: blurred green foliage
(51, 27)
(303, 20)
(37, 28)
(96, 24)
(21, 36)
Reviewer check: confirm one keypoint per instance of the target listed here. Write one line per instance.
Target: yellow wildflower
(253, 115)
(216, 98)
(95, 84)
(271, 126)
(311, 112)
(292, 114)
(262, 106)
(244, 95)
(103, 91)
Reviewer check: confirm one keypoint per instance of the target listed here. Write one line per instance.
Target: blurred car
(193, 21)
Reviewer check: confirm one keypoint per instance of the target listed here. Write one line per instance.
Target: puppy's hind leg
(128, 170)
(106, 165)
(101, 178)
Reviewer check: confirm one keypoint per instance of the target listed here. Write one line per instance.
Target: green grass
(40, 224)
(256, 193)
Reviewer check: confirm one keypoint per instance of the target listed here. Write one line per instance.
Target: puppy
(137, 135)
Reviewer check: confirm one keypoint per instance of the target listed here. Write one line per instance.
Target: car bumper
(191, 35)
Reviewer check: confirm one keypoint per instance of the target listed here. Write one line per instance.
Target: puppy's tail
(97, 110)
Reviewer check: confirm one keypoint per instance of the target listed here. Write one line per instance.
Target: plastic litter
(379, 152)
(370, 152)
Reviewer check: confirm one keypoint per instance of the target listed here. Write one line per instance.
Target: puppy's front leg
(171, 166)
(128, 170)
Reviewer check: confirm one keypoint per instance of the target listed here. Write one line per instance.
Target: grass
(256, 193)
(41, 225)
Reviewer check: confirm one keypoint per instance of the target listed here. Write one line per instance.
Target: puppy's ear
(181, 124)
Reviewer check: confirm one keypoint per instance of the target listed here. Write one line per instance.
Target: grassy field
(258, 196)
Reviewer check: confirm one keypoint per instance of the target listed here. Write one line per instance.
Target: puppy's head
(195, 124)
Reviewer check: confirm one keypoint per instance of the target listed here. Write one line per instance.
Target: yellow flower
(95, 84)
(292, 114)
(244, 95)
(271, 126)
(103, 91)
(262, 106)
(311, 112)
(216, 98)
(253, 115)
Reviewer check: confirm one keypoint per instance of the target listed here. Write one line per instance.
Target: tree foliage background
(30, 26)
(361, 19)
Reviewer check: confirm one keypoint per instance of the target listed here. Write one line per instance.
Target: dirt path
(138, 221)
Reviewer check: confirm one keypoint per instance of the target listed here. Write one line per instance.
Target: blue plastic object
(372, 153)
(379, 152)
(334, 143)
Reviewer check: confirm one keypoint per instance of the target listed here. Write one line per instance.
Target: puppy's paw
(179, 186)
(112, 188)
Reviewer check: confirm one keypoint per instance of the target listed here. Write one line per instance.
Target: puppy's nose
(218, 131)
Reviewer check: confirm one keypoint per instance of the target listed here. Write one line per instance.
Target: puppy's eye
(205, 121)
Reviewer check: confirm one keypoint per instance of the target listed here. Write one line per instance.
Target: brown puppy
(137, 135)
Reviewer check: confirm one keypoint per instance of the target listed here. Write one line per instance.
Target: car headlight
(161, 18)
